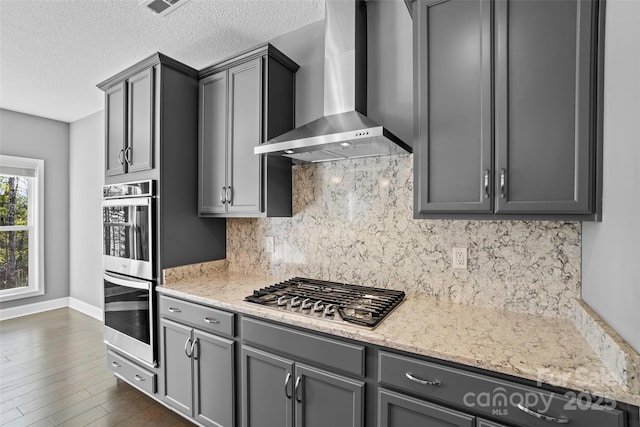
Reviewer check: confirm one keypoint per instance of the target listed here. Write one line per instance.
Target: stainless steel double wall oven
(129, 253)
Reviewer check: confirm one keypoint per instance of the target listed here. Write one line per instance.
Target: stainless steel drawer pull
(421, 381)
(223, 200)
(211, 320)
(503, 183)
(138, 378)
(286, 385)
(175, 310)
(561, 420)
(228, 195)
(115, 364)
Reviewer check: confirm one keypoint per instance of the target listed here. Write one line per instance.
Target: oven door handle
(136, 201)
(128, 282)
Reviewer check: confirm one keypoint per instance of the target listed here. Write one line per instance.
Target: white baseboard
(37, 307)
(88, 309)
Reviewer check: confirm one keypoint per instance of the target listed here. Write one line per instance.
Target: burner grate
(363, 305)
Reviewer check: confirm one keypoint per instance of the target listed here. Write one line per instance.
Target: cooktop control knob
(329, 310)
(306, 304)
(295, 301)
(318, 306)
(282, 301)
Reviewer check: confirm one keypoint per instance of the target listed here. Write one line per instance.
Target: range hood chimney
(345, 131)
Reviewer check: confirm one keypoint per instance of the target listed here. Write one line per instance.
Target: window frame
(35, 226)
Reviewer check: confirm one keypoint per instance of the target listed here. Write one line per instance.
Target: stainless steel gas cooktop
(361, 305)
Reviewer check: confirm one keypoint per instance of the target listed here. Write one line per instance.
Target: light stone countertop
(548, 350)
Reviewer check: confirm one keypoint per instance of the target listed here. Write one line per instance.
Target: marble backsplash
(353, 222)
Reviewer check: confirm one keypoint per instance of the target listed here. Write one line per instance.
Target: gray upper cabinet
(245, 101)
(129, 107)
(506, 117)
(139, 151)
(115, 129)
(214, 97)
(543, 113)
(453, 154)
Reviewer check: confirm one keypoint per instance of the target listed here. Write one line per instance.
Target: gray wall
(390, 66)
(36, 137)
(610, 249)
(306, 47)
(86, 177)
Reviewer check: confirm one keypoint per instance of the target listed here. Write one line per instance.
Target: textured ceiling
(54, 52)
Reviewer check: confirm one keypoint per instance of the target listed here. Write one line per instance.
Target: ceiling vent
(163, 7)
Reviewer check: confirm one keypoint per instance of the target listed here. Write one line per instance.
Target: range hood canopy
(345, 131)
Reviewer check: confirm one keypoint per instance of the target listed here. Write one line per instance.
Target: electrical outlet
(460, 258)
(269, 244)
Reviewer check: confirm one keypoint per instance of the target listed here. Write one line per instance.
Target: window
(21, 227)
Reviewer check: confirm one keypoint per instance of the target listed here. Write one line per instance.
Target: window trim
(36, 217)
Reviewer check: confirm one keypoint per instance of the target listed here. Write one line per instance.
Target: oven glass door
(128, 315)
(127, 236)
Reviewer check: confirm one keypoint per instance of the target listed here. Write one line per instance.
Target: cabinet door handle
(175, 310)
(421, 381)
(121, 156)
(138, 378)
(211, 320)
(195, 349)
(286, 385)
(223, 200)
(115, 364)
(486, 183)
(296, 388)
(127, 155)
(187, 346)
(561, 420)
(228, 194)
(503, 183)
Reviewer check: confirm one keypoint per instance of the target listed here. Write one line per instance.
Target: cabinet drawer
(204, 318)
(485, 395)
(131, 373)
(301, 345)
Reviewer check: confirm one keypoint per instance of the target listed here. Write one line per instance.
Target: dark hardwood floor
(53, 373)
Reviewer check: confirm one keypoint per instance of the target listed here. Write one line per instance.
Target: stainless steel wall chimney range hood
(345, 131)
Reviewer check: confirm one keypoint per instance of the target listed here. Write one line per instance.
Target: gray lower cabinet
(490, 397)
(506, 110)
(198, 378)
(398, 410)
(484, 423)
(279, 392)
(245, 101)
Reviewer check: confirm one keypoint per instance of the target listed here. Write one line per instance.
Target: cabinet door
(115, 129)
(326, 399)
(139, 153)
(267, 389)
(398, 410)
(177, 381)
(214, 386)
(485, 423)
(543, 132)
(452, 159)
(213, 143)
(245, 132)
